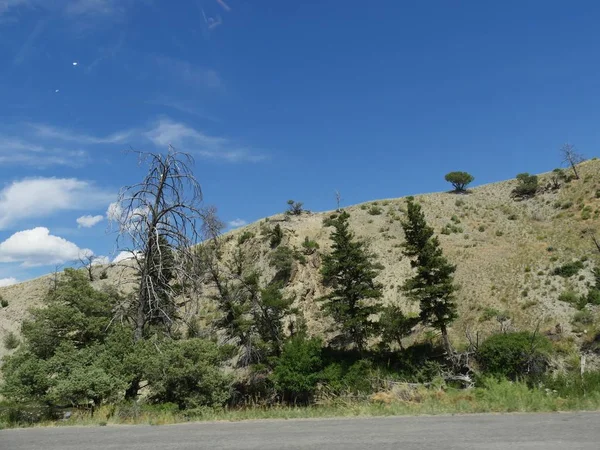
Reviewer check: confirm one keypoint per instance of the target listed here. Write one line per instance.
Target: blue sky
(277, 100)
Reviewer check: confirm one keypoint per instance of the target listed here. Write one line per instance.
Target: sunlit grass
(493, 397)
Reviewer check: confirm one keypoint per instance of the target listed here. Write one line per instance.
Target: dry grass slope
(505, 251)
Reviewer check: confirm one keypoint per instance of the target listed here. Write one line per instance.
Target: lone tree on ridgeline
(460, 180)
(355, 297)
(432, 285)
(158, 220)
(571, 157)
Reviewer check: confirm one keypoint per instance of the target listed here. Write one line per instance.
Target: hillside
(505, 251)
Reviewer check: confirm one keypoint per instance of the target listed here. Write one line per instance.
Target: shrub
(583, 318)
(3, 302)
(459, 180)
(460, 202)
(276, 235)
(282, 259)
(514, 355)
(570, 297)
(499, 233)
(481, 228)
(309, 246)
(298, 370)
(11, 341)
(569, 269)
(375, 210)
(104, 275)
(527, 186)
(245, 236)
(489, 313)
(294, 208)
(188, 374)
(566, 205)
(512, 217)
(593, 297)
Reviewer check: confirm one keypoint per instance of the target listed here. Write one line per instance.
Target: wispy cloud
(25, 49)
(16, 151)
(93, 7)
(74, 8)
(188, 73)
(236, 223)
(181, 106)
(166, 132)
(60, 134)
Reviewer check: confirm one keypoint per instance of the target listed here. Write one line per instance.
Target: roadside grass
(492, 397)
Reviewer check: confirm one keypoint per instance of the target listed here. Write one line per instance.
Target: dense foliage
(355, 296)
(460, 180)
(514, 355)
(432, 285)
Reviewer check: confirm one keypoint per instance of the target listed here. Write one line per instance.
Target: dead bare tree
(88, 261)
(571, 157)
(158, 220)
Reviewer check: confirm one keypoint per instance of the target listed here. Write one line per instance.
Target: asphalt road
(498, 432)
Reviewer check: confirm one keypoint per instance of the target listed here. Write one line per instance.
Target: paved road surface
(481, 432)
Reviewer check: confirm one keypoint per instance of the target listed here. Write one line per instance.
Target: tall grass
(562, 393)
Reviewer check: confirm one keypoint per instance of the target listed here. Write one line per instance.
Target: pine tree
(351, 271)
(432, 285)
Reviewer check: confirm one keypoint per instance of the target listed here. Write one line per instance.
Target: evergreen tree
(351, 271)
(432, 285)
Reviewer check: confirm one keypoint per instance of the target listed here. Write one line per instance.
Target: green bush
(188, 374)
(499, 233)
(375, 210)
(514, 355)
(298, 370)
(3, 302)
(309, 246)
(569, 269)
(104, 275)
(11, 341)
(276, 236)
(527, 186)
(584, 317)
(571, 297)
(245, 236)
(489, 314)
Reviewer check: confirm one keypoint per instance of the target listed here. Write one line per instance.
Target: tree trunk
(447, 344)
(133, 389)
(575, 171)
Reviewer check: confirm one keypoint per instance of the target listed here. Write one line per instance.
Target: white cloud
(41, 197)
(37, 247)
(167, 132)
(89, 221)
(4, 282)
(124, 256)
(100, 261)
(237, 223)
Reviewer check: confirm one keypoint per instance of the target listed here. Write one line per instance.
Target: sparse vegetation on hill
(301, 308)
